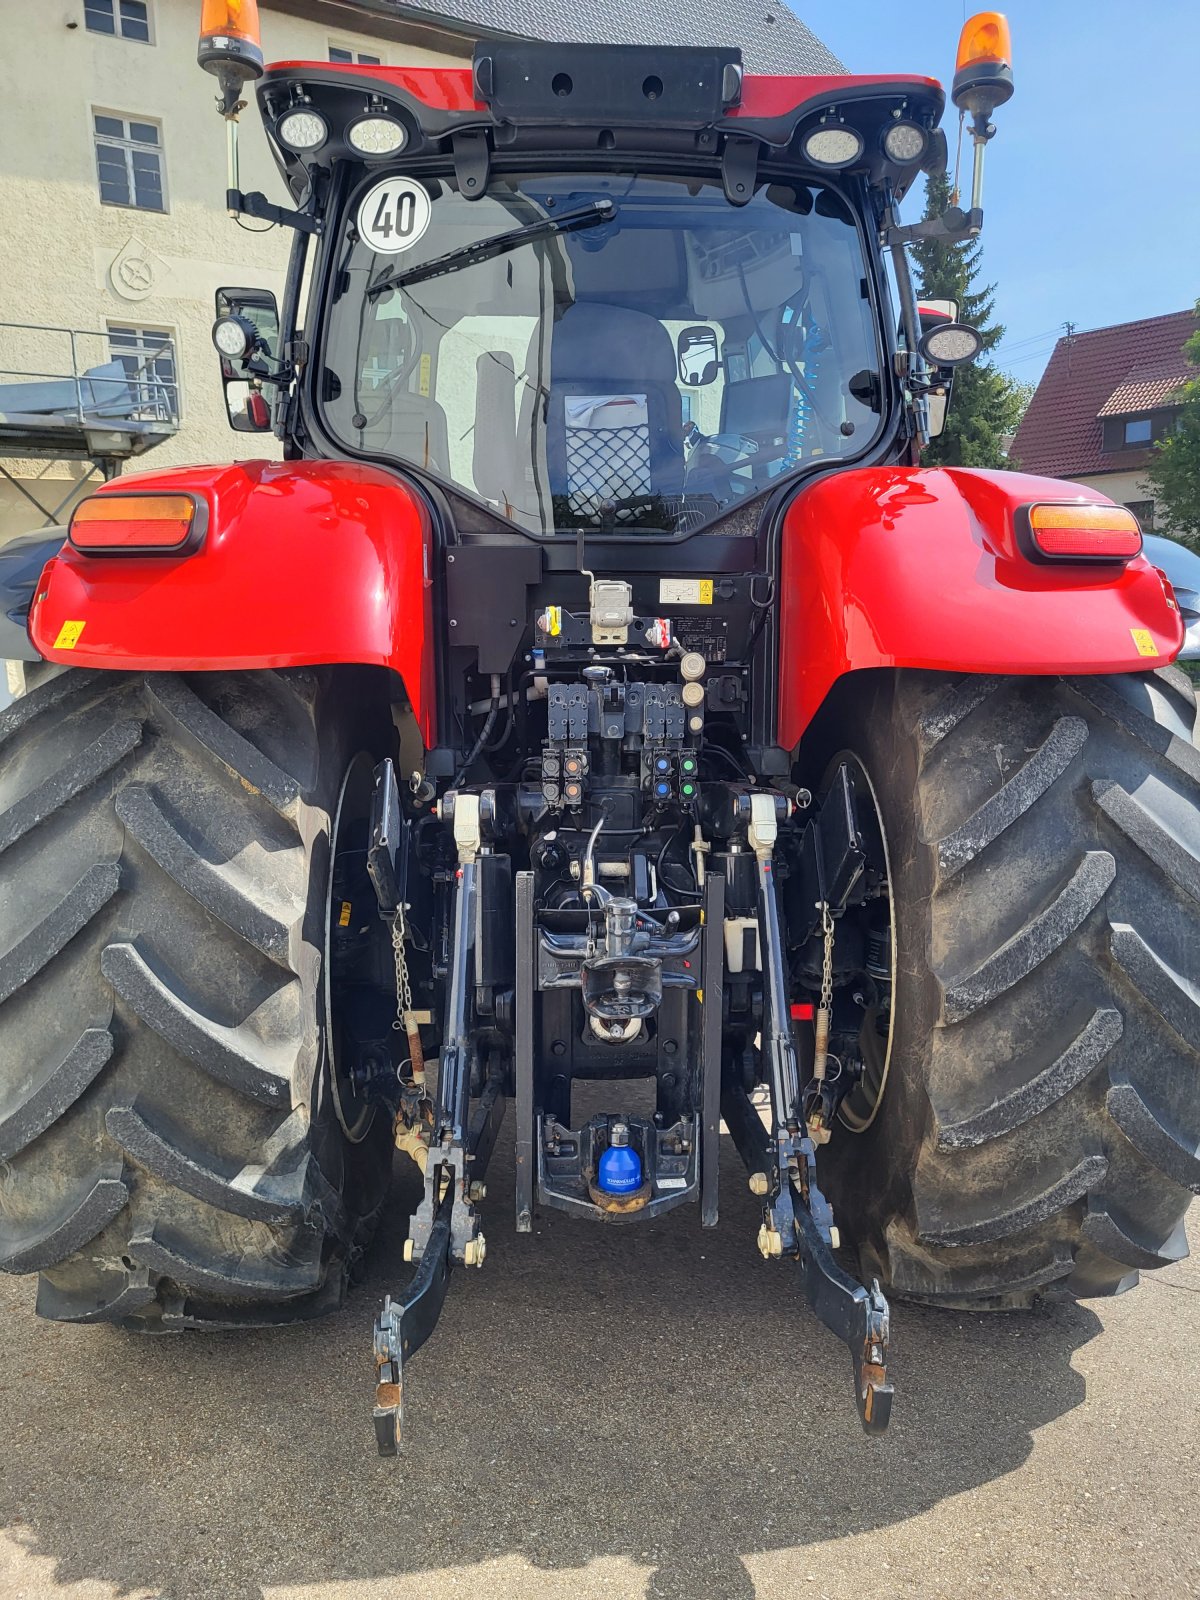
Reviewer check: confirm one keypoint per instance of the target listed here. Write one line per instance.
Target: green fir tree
(1174, 473)
(986, 403)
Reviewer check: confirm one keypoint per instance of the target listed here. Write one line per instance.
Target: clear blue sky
(1092, 192)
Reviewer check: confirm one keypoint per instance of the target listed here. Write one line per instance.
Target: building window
(127, 19)
(1137, 430)
(148, 357)
(345, 55)
(1143, 510)
(129, 162)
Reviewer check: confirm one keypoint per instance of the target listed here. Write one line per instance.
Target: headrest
(611, 345)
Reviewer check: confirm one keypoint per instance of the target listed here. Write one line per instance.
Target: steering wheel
(712, 466)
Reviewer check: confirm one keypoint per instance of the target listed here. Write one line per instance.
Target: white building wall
(1126, 488)
(61, 250)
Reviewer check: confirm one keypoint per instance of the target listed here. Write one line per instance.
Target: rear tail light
(138, 524)
(1079, 533)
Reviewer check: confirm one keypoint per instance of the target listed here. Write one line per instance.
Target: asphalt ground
(608, 1413)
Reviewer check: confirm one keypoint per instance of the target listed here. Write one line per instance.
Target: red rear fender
(919, 567)
(302, 563)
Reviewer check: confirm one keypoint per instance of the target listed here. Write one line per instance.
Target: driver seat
(614, 420)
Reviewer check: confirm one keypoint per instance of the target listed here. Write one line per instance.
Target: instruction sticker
(685, 591)
(392, 215)
(68, 635)
(1144, 640)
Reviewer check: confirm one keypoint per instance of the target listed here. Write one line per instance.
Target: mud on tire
(170, 1154)
(1040, 1122)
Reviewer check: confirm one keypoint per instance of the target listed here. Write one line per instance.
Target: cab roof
(595, 103)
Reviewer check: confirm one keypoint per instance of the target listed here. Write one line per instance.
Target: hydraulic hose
(485, 733)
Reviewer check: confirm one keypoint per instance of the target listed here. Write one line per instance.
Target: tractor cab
(603, 289)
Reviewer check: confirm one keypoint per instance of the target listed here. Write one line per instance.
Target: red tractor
(599, 690)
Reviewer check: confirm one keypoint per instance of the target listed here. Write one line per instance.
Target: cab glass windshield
(645, 356)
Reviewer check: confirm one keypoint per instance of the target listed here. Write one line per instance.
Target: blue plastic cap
(620, 1170)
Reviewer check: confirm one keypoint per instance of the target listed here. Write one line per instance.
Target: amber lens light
(985, 37)
(133, 522)
(1085, 533)
(236, 19)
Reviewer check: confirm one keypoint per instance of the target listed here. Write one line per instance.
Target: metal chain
(404, 1003)
(825, 1009)
(406, 1021)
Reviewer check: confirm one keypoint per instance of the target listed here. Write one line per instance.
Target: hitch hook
(403, 1326)
(857, 1315)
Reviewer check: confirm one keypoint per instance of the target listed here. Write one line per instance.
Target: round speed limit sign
(392, 215)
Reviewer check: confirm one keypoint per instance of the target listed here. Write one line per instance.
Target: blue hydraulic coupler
(620, 1170)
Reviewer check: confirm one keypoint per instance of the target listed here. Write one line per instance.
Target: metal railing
(105, 402)
(141, 394)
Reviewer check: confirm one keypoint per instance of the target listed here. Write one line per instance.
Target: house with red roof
(1104, 401)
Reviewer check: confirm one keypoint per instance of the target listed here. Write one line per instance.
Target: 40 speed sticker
(392, 215)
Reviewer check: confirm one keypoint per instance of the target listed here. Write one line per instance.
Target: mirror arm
(954, 226)
(263, 210)
(914, 375)
(256, 367)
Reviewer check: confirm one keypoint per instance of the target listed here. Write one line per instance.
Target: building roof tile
(1148, 388)
(1131, 367)
(772, 38)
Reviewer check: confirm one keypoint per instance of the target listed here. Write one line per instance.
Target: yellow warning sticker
(344, 915)
(554, 621)
(424, 371)
(1144, 639)
(68, 635)
(685, 591)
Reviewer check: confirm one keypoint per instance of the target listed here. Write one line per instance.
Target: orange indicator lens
(236, 19)
(133, 522)
(985, 37)
(1090, 532)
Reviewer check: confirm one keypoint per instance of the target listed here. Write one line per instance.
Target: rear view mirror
(246, 336)
(699, 358)
(934, 312)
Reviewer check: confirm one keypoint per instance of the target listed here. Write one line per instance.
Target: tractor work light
(950, 344)
(230, 39)
(905, 142)
(832, 144)
(376, 136)
(983, 76)
(138, 524)
(1079, 533)
(234, 337)
(301, 130)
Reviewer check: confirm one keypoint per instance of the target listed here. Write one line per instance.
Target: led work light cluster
(835, 144)
(374, 135)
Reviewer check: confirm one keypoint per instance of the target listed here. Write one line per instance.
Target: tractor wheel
(178, 1146)
(1035, 1121)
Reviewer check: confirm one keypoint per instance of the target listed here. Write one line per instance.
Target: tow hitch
(451, 1145)
(798, 1220)
(673, 1161)
(859, 1316)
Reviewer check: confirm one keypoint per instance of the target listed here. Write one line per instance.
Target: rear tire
(1040, 1121)
(171, 1153)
